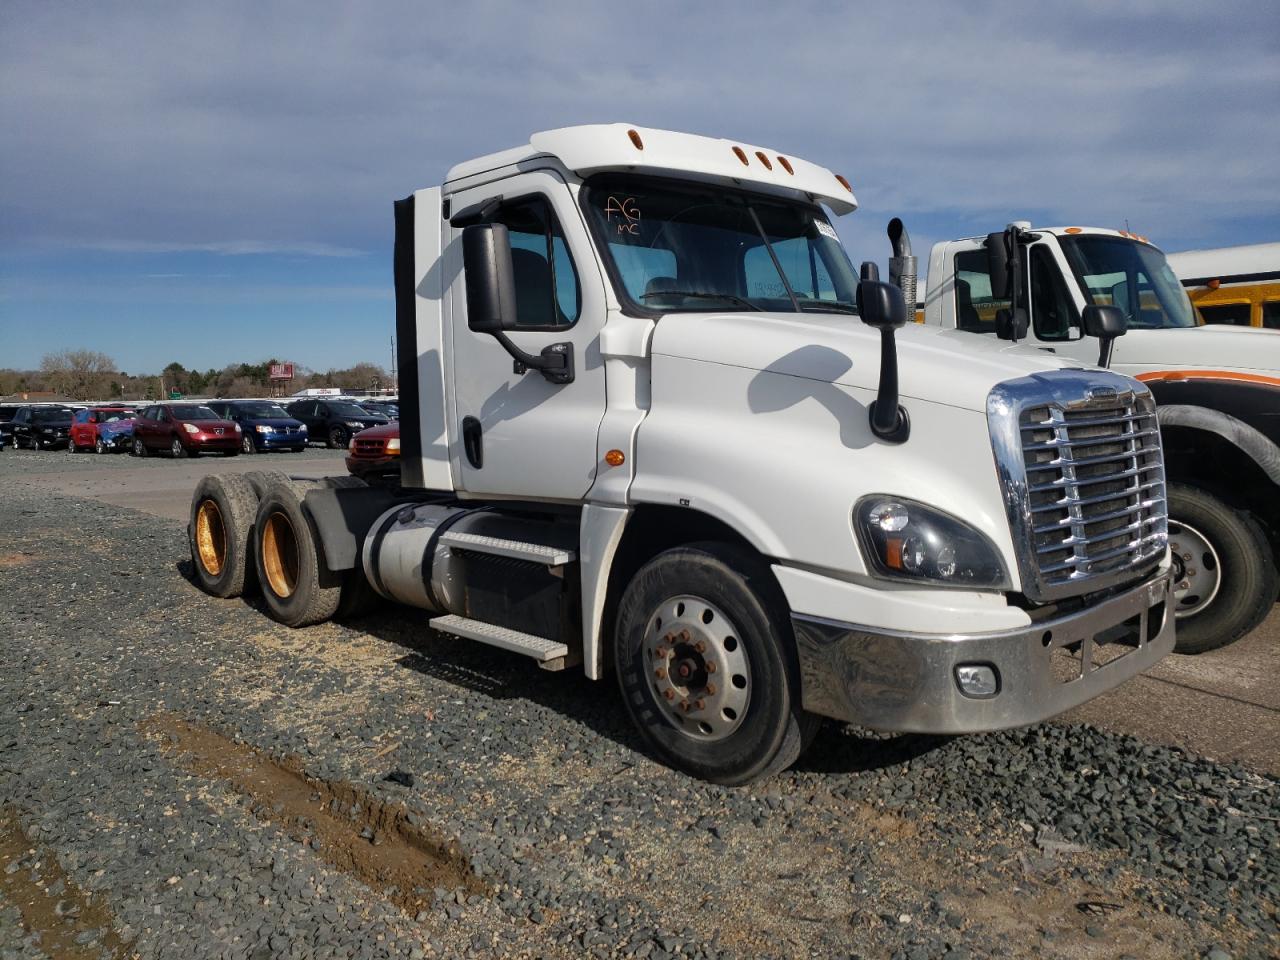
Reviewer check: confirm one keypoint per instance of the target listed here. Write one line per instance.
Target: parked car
(7, 412)
(264, 425)
(387, 408)
(185, 430)
(374, 456)
(86, 427)
(334, 421)
(42, 428)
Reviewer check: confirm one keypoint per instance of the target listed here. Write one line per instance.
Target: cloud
(227, 248)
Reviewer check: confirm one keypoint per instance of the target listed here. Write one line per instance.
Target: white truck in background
(645, 432)
(1218, 390)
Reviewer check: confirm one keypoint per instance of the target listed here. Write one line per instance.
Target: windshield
(51, 415)
(347, 410)
(1133, 276)
(260, 411)
(674, 246)
(110, 416)
(193, 412)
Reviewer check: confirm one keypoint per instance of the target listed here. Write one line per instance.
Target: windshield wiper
(698, 295)
(814, 305)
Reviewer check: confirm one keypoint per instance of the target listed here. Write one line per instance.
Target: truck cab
(655, 425)
(1218, 388)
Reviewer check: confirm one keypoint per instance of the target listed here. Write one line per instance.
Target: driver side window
(547, 292)
(1053, 314)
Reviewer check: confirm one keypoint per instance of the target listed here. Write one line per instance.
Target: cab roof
(595, 148)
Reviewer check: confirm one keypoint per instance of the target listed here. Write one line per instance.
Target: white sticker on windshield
(826, 229)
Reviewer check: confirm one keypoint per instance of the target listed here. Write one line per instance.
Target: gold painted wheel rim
(280, 555)
(211, 538)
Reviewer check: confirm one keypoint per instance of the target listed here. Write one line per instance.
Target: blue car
(264, 425)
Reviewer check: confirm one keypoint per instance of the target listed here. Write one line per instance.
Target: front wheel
(99, 447)
(139, 448)
(337, 438)
(177, 449)
(1225, 580)
(706, 662)
(247, 445)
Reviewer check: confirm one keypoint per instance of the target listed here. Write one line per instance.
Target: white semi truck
(644, 431)
(1218, 389)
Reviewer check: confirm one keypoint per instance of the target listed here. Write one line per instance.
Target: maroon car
(374, 456)
(185, 430)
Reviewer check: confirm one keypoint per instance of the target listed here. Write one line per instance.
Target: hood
(208, 426)
(115, 427)
(1211, 347)
(273, 422)
(934, 365)
(384, 432)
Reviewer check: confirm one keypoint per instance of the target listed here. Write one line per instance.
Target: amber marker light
(786, 165)
(1073, 230)
(615, 458)
(768, 164)
(844, 183)
(635, 139)
(1214, 284)
(741, 155)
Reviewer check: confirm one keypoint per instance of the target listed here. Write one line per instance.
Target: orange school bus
(1236, 285)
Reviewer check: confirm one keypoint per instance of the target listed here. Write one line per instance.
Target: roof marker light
(844, 183)
(1214, 284)
(742, 155)
(635, 138)
(1073, 230)
(786, 165)
(768, 164)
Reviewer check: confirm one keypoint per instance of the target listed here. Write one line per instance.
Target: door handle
(473, 441)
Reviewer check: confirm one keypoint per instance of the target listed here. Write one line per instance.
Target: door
(82, 429)
(22, 427)
(517, 434)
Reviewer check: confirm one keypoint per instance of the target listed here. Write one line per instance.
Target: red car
(374, 455)
(185, 430)
(84, 425)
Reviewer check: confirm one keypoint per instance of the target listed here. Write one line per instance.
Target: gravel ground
(159, 748)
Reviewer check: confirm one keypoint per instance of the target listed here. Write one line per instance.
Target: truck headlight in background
(905, 540)
(393, 445)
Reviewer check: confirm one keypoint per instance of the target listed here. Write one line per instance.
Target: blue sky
(212, 183)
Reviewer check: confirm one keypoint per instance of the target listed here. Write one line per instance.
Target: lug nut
(685, 635)
(669, 694)
(660, 652)
(684, 705)
(1191, 572)
(711, 666)
(1187, 557)
(700, 647)
(700, 704)
(661, 673)
(711, 689)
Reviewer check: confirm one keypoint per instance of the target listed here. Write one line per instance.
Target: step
(535, 552)
(540, 648)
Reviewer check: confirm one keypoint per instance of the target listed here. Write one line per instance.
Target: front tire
(706, 661)
(177, 449)
(99, 447)
(337, 439)
(1225, 577)
(139, 448)
(297, 588)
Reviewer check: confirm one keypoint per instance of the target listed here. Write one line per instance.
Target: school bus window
(1271, 314)
(1232, 313)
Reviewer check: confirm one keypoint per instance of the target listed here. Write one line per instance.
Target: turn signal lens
(741, 155)
(786, 165)
(615, 458)
(844, 183)
(635, 139)
(768, 164)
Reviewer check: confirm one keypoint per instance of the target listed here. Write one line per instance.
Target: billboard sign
(282, 371)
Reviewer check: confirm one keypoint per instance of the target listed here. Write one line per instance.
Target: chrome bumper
(908, 682)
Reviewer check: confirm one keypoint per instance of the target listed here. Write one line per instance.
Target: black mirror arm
(555, 363)
(1104, 351)
(888, 417)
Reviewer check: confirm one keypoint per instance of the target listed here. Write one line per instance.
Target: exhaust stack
(902, 265)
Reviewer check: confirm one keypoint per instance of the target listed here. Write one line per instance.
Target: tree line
(90, 375)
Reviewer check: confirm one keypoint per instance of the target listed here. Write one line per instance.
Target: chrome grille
(1084, 477)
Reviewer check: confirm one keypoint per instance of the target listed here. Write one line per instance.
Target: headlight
(190, 428)
(46, 430)
(393, 445)
(262, 428)
(355, 423)
(351, 444)
(237, 426)
(905, 540)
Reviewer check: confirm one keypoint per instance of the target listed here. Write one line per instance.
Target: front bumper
(277, 440)
(908, 682)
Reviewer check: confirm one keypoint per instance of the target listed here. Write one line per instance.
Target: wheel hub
(696, 668)
(1197, 571)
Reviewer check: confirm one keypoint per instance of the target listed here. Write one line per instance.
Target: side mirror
(881, 305)
(490, 278)
(491, 301)
(998, 265)
(1105, 322)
